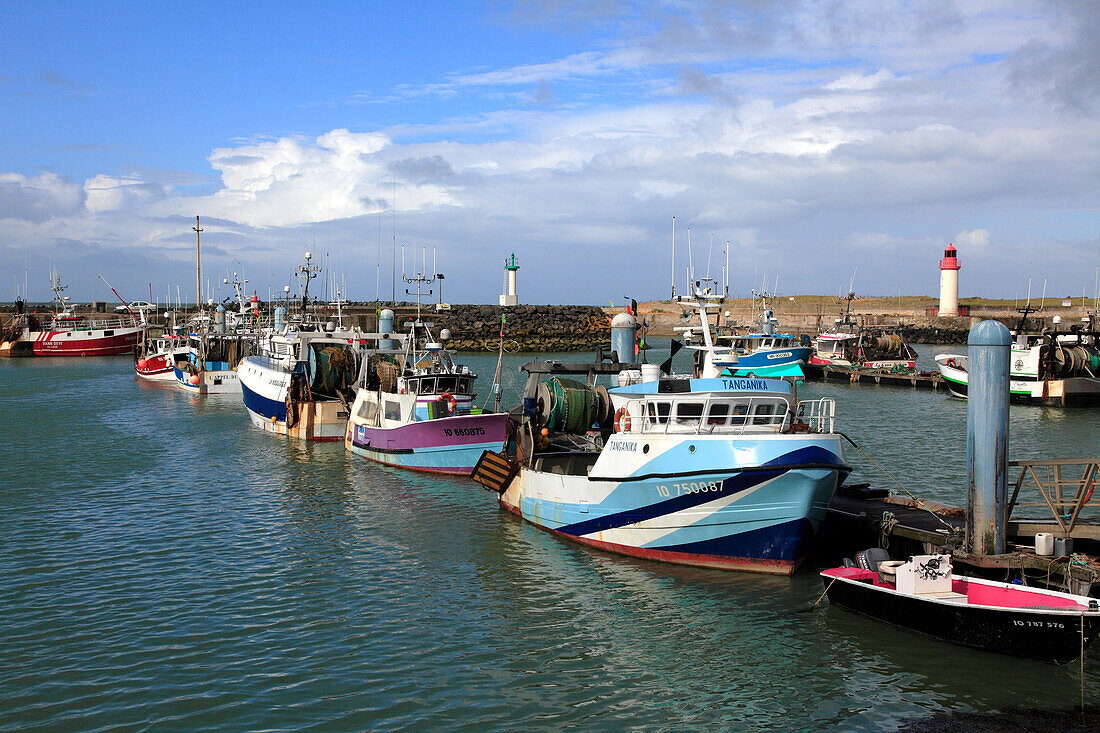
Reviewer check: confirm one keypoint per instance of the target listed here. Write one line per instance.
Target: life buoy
(622, 421)
(448, 397)
(951, 363)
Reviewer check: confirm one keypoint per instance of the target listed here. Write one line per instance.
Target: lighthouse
(508, 297)
(949, 282)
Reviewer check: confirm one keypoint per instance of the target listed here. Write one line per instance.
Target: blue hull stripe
(263, 406)
(784, 542)
(760, 359)
(813, 455)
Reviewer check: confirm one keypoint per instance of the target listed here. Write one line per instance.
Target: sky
(831, 143)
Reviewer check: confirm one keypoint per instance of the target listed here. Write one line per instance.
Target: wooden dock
(859, 375)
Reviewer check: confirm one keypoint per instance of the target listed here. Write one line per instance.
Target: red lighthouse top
(950, 259)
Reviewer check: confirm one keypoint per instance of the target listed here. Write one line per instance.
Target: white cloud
(976, 240)
(110, 193)
(39, 198)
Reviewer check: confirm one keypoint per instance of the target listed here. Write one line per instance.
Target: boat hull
(1069, 392)
(775, 357)
(211, 381)
(1046, 635)
(898, 364)
(449, 445)
(159, 367)
(108, 342)
(758, 514)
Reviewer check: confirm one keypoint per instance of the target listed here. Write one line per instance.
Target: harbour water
(163, 564)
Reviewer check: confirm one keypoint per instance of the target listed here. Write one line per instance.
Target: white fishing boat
(851, 344)
(763, 346)
(1056, 367)
(300, 384)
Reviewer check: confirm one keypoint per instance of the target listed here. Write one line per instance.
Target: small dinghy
(922, 595)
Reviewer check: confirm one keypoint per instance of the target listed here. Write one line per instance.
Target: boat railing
(715, 415)
(818, 415)
(97, 324)
(1064, 485)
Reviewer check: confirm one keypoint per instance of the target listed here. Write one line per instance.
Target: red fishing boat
(64, 333)
(156, 360)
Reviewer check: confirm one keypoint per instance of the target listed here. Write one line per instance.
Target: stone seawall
(527, 327)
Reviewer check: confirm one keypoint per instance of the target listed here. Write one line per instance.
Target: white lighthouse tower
(949, 282)
(508, 297)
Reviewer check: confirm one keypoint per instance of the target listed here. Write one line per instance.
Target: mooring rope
(920, 504)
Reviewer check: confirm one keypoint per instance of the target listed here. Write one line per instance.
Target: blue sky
(817, 137)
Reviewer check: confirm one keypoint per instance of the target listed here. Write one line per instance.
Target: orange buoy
(194, 379)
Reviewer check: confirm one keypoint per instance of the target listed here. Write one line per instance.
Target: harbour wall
(545, 328)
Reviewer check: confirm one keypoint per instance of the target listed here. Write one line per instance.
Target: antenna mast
(306, 273)
(198, 265)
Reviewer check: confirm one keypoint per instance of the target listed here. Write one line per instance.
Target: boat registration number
(691, 488)
(463, 431)
(1039, 624)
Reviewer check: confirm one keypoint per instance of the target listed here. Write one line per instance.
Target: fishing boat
(211, 364)
(1055, 367)
(155, 359)
(300, 384)
(416, 409)
(760, 353)
(851, 344)
(65, 333)
(765, 347)
(924, 595)
(725, 472)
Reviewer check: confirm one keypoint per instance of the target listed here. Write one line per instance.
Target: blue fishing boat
(725, 472)
(720, 350)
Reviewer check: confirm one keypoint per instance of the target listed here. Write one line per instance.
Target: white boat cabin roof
(734, 405)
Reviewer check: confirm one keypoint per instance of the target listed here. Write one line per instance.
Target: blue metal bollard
(987, 436)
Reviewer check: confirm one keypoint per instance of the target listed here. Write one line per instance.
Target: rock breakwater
(527, 327)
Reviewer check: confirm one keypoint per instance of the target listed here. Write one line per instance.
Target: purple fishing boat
(416, 409)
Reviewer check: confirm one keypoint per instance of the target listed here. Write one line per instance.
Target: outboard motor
(870, 559)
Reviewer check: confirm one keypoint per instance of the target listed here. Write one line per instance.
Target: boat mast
(198, 266)
(674, 258)
(306, 273)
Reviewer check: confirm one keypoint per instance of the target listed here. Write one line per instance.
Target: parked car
(137, 305)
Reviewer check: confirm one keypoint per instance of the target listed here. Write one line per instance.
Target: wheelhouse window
(393, 410)
(764, 414)
(426, 386)
(448, 384)
(465, 385)
(689, 410)
(718, 413)
(367, 410)
(658, 412)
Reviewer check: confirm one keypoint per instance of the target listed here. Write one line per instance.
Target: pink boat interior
(976, 593)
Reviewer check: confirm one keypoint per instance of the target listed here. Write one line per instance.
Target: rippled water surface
(165, 565)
